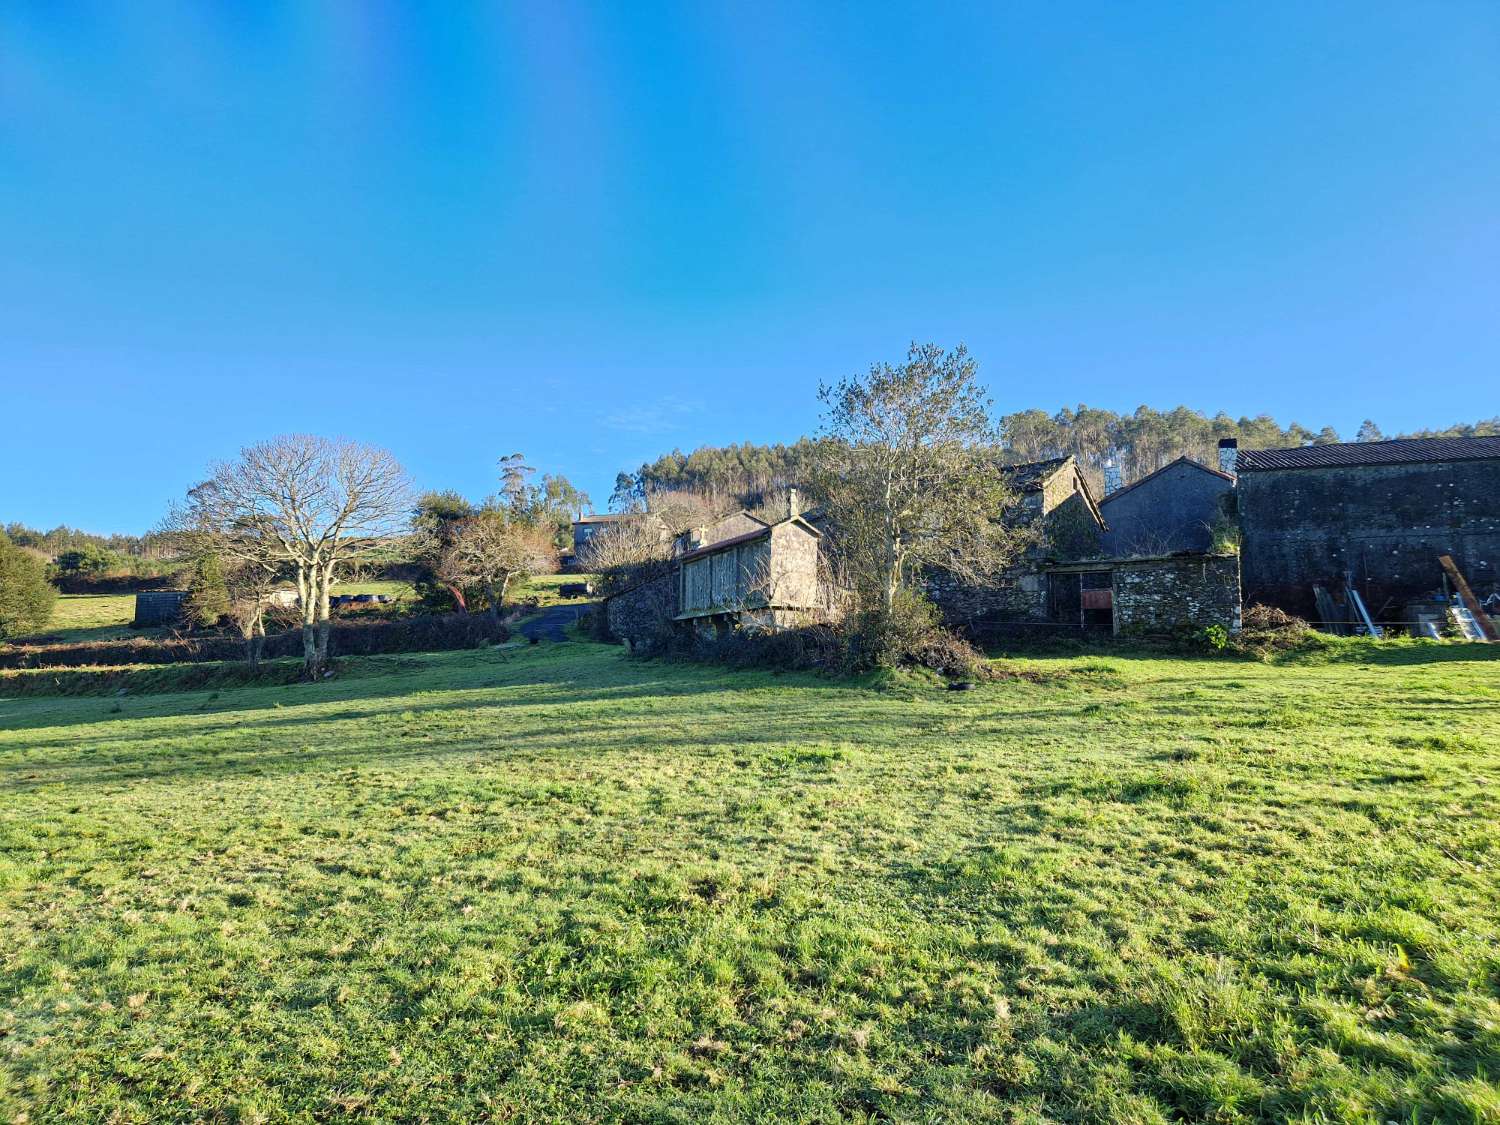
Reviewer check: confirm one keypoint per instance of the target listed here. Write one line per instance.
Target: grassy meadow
(553, 883)
(93, 617)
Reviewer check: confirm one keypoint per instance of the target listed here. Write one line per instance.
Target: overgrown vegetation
(347, 637)
(556, 884)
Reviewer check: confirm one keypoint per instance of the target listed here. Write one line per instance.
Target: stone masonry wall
(1384, 524)
(977, 610)
(1157, 595)
(642, 617)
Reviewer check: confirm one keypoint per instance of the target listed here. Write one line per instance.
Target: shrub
(434, 633)
(208, 596)
(91, 559)
(26, 597)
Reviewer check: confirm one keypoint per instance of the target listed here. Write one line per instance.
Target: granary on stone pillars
(746, 571)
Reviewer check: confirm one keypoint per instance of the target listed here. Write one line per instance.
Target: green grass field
(93, 617)
(556, 884)
(546, 589)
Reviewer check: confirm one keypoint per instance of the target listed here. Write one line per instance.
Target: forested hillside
(1141, 442)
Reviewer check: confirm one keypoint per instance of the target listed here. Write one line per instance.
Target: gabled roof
(1407, 451)
(1184, 460)
(1030, 476)
(747, 537)
(608, 517)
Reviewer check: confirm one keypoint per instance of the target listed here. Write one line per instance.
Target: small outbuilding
(155, 608)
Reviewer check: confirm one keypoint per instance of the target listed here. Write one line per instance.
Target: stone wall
(642, 617)
(1384, 524)
(1189, 591)
(1175, 510)
(978, 611)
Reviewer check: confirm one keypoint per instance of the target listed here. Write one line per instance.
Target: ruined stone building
(1374, 514)
(1072, 579)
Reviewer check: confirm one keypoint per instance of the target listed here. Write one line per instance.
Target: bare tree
(313, 504)
(250, 587)
(249, 566)
(908, 468)
(489, 551)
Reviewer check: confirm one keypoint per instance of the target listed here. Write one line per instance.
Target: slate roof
(1030, 476)
(747, 537)
(1402, 452)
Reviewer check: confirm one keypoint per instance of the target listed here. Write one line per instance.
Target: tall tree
(1369, 431)
(315, 504)
(909, 472)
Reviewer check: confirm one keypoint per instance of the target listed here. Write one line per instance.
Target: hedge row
(431, 633)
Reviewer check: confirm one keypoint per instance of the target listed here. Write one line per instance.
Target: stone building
(1180, 507)
(1071, 579)
(1054, 498)
(1146, 594)
(158, 607)
(738, 570)
(765, 575)
(1376, 515)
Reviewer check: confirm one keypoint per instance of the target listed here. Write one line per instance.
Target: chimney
(1112, 479)
(1229, 451)
(793, 503)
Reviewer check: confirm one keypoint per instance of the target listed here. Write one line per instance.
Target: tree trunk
(254, 643)
(325, 625)
(307, 588)
(496, 596)
(458, 596)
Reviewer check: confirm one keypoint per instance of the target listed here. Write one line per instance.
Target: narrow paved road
(551, 624)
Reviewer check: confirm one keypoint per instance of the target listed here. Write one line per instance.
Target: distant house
(586, 527)
(1174, 509)
(725, 527)
(1375, 515)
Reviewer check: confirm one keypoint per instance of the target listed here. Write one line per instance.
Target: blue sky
(593, 233)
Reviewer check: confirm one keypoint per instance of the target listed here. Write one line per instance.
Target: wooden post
(1471, 603)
